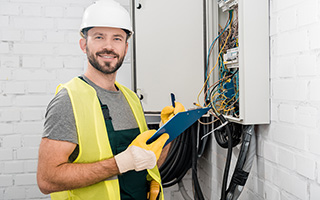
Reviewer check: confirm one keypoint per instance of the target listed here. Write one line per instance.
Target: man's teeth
(108, 56)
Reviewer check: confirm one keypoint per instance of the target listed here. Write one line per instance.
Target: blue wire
(230, 17)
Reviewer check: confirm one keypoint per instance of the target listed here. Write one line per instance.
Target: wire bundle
(183, 155)
(178, 160)
(233, 38)
(223, 95)
(226, 96)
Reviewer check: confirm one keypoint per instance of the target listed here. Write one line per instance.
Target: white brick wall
(38, 50)
(287, 163)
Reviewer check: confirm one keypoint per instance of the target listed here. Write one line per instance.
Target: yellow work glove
(169, 111)
(140, 155)
(154, 190)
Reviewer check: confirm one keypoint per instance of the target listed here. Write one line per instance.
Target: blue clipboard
(179, 123)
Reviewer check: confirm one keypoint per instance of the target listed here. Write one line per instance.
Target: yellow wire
(207, 123)
(216, 61)
(225, 104)
(234, 101)
(226, 110)
(212, 102)
(229, 109)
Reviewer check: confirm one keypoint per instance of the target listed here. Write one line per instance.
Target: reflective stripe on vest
(93, 138)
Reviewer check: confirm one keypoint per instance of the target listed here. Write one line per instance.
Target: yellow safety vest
(93, 139)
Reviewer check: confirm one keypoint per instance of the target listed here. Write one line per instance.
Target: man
(95, 133)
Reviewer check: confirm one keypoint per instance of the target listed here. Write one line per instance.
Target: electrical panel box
(169, 51)
(240, 60)
(173, 52)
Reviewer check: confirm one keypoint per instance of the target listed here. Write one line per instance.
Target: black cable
(167, 173)
(221, 134)
(198, 193)
(178, 179)
(203, 130)
(178, 161)
(228, 161)
(170, 158)
(244, 163)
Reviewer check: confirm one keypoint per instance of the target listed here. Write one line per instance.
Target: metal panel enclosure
(253, 27)
(169, 51)
(254, 59)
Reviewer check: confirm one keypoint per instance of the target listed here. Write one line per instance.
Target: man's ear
(127, 45)
(83, 45)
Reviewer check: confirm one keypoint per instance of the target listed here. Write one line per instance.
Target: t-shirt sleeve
(59, 119)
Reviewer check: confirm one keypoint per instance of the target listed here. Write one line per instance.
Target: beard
(106, 68)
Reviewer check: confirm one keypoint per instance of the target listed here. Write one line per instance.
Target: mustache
(107, 52)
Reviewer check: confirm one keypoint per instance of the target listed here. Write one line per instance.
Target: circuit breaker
(240, 58)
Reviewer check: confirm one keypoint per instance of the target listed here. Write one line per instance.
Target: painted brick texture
(38, 50)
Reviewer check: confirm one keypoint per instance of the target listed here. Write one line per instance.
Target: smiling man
(94, 141)
(110, 59)
(106, 48)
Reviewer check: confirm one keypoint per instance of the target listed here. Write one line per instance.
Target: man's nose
(108, 45)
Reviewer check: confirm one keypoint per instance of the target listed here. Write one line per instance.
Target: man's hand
(169, 111)
(140, 155)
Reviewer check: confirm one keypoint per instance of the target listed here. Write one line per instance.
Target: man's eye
(118, 39)
(98, 37)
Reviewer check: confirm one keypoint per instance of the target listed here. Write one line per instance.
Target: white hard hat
(106, 13)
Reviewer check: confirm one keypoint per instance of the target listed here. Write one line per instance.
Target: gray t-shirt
(59, 119)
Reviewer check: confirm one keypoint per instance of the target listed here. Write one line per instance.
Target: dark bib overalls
(133, 185)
